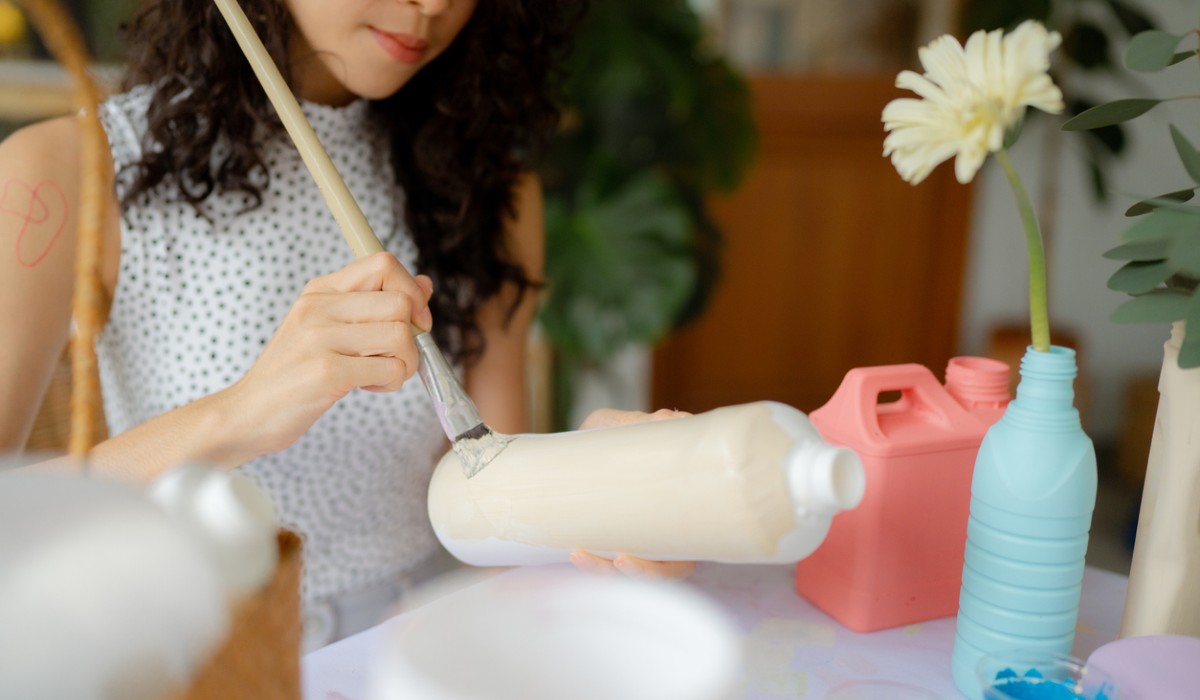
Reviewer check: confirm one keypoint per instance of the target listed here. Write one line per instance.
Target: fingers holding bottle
(631, 566)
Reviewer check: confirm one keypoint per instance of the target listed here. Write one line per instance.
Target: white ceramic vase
(1164, 580)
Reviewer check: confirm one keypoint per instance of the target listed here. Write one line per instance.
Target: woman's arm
(497, 382)
(39, 199)
(348, 329)
(39, 194)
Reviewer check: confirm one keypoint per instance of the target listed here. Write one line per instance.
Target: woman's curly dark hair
(484, 111)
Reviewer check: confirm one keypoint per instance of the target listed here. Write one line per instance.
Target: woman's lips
(404, 48)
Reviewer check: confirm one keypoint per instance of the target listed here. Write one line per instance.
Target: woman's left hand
(624, 563)
(632, 566)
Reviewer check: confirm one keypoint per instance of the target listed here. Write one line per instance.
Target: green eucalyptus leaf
(1139, 277)
(1163, 223)
(1158, 306)
(1183, 254)
(1183, 56)
(1111, 138)
(1187, 154)
(1151, 51)
(1148, 205)
(1113, 112)
(1189, 350)
(1144, 251)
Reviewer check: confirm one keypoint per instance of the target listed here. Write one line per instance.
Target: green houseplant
(655, 120)
(1161, 271)
(1161, 251)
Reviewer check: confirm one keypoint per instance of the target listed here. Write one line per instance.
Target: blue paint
(1033, 686)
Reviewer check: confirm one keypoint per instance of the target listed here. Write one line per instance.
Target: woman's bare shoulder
(48, 150)
(48, 135)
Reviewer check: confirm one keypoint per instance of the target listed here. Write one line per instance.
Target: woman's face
(368, 48)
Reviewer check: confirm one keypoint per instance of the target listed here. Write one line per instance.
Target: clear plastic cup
(1043, 675)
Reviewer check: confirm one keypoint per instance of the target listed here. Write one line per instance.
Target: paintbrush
(472, 440)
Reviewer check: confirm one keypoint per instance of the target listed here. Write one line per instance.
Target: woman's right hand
(348, 329)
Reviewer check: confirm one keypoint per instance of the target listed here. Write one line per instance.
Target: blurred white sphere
(231, 519)
(102, 594)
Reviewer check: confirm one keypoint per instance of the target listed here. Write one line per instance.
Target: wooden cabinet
(830, 262)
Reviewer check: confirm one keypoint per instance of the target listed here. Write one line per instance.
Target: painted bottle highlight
(747, 483)
(1032, 496)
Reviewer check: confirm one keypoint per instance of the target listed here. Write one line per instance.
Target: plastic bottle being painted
(747, 483)
(1032, 497)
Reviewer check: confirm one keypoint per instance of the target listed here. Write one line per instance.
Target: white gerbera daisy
(970, 96)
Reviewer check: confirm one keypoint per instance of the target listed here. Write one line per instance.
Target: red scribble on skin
(40, 218)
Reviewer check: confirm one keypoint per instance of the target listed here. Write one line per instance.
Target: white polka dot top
(195, 302)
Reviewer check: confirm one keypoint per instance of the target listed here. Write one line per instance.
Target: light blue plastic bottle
(1032, 497)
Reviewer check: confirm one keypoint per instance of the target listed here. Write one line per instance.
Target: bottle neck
(1046, 393)
(824, 479)
(977, 382)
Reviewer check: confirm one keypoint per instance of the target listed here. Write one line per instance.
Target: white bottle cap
(824, 479)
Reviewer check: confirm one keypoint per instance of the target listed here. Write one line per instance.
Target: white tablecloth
(793, 650)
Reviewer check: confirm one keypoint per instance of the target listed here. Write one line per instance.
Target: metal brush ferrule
(455, 410)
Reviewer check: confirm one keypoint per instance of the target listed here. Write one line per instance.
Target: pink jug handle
(856, 401)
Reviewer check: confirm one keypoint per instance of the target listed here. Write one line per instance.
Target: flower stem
(1038, 315)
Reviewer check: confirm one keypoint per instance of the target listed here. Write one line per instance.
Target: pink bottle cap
(978, 381)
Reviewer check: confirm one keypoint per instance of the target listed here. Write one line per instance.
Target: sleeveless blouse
(197, 298)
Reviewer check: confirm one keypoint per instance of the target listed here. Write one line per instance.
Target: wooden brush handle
(350, 219)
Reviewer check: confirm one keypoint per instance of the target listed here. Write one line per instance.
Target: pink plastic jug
(897, 558)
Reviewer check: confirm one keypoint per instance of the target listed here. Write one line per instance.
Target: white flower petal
(970, 95)
(967, 164)
(944, 61)
(908, 80)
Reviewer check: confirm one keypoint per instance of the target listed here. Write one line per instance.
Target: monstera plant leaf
(655, 121)
(620, 266)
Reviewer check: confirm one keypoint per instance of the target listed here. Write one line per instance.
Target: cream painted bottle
(753, 483)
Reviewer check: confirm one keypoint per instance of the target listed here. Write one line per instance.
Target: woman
(241, 332)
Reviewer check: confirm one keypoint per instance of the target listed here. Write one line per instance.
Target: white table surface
(792, 649)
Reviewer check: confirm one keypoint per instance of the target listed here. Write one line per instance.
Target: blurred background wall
(847, 40)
